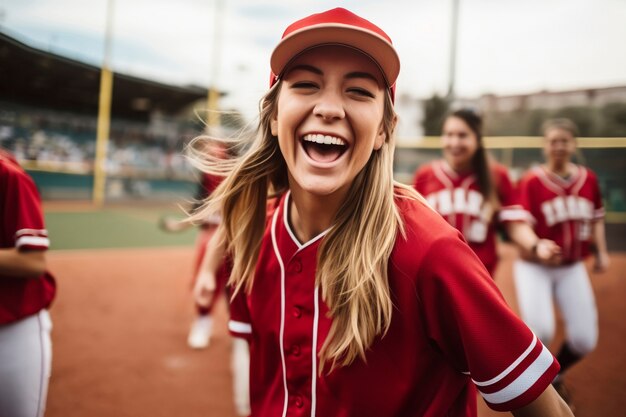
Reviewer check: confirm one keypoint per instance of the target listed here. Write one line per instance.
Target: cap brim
(376, 47)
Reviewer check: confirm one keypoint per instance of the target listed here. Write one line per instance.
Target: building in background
(48, 118)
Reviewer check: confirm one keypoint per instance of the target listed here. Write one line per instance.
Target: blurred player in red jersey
(200, 332)
(347, 275)
(475, 194)
(565, 205)
(26, 291)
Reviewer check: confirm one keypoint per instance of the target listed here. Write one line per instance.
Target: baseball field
(124, 307)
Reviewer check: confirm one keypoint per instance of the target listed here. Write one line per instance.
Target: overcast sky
(505, 46)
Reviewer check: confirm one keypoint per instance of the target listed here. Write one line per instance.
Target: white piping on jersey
(517, 213)
(239, 327)
(581, 181)
(32, 240)
(511, 367)
(293, 236)
(598, 213)
(550, 181)
(439, 172)
(36, 232)
(314, 351)
(444, 179)
(560, 181)
(282, 309)
(448, 170)
(300, 246)
(547, 181)
(465, 186)
(524, 381)
(558, 184)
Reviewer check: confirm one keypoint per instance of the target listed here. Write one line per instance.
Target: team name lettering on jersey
(561, 209)
(465, 202)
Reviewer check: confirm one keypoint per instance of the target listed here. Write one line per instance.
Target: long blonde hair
(353, 257)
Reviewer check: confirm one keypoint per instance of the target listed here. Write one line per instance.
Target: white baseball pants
(569, 286)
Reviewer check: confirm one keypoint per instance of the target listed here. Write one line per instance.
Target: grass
(112, 228)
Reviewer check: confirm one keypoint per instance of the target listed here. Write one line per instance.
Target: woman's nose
(329, 106)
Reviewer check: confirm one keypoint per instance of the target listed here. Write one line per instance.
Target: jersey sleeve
(23, 217)
(240, 324)
(598, 206)
(510, 210)
(468, 320)
(524, 194)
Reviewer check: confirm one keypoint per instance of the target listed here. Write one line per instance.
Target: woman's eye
(304, 84)
(361, 92)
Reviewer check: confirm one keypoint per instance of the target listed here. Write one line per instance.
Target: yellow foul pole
(104, 115)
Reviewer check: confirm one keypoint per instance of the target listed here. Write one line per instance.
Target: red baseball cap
(337, 27)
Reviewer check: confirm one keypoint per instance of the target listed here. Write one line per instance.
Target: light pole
(213, 94)
(453, 41)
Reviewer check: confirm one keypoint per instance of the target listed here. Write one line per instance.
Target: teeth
(324, 139)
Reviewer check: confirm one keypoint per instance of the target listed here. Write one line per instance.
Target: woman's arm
(22, 264)
(204, 288)
(170, 224)
(544, 250)
(599, 239)
(548, 404)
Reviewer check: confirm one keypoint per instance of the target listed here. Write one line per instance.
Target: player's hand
(547, 252)
(602, 262)
(169, 224)
(204, 289)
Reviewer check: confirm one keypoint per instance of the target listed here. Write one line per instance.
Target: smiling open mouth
(323, 148)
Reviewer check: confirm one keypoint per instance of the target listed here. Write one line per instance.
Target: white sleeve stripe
(511, 367)
(33, 241)
(523, 382)
(239, 327)
(37, 232)
(599, 213)
(517, 214)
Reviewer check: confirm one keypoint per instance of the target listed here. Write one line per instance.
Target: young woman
(26, 291)
(356, 298)
(200, 332)
(475, 194)
(564, 202)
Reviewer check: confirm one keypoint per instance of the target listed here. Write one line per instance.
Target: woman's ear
(382, 136)
(274, 125)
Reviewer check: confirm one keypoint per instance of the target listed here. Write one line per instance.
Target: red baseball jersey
(207, 185)
(450, 332)
(22, 228)
(563, 210)
(458, 199)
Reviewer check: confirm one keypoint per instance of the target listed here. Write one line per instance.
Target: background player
(564, 202)
(200, 331)
(351, 275)
(212, 266)
(26, 291)
(475, 194)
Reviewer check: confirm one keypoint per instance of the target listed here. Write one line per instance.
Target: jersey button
(295, 350)
(296, 266)
(296, 312)
(299, 402)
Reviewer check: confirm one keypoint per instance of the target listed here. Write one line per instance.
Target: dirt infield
(121, 318)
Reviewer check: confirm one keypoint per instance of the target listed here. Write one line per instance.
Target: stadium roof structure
(40, 78)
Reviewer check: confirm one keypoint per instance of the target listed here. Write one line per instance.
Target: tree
(613, 120)
(583, 116)
(435, 110)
